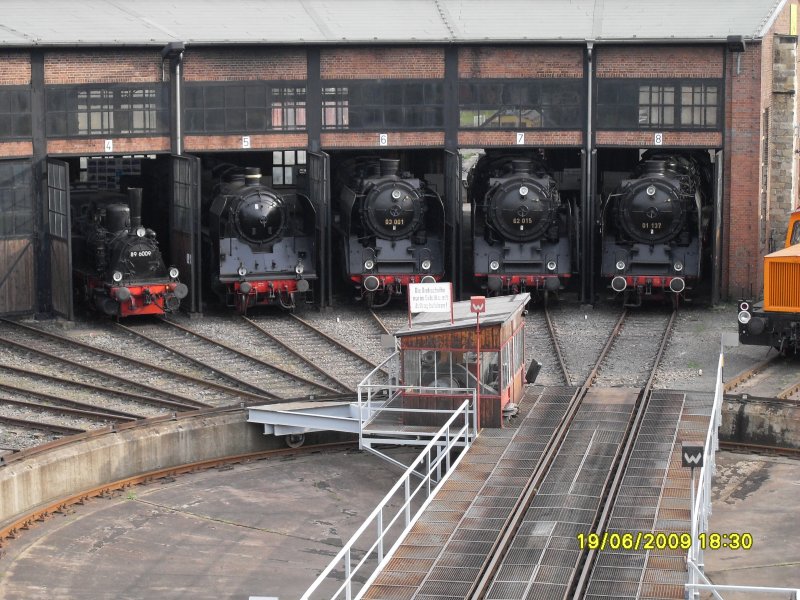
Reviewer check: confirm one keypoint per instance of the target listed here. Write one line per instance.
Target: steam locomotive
(521, 229)
(655, 226)
(117, 265)
(260, 244)
(391, 229)
(775, 321)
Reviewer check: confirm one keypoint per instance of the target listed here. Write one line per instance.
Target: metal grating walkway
(640, 507)
(544, 553)
(443, 554)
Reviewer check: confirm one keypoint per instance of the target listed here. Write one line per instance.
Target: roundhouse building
(159, 94)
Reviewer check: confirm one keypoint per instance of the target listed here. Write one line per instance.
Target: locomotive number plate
(141, 253)
(522, 220)
(651, 225)
(394, 221)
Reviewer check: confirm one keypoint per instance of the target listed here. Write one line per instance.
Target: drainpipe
(173, 52)
(587, 243)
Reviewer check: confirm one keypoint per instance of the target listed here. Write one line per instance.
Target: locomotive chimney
(135, 203)
(654, 166)
(521, 165)
(389, 166)
(252, 176)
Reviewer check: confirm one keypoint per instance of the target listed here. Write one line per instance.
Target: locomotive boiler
(655, 227)
(261, 244)
(390, 226)
(117, 264)
(521, 228)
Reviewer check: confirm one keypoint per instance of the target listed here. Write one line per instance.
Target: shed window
(630, 104)
(537, 104)
(107, 110)
(250, 107)
(382, 105)
(16, 199)
(15, 112)
(699, 105)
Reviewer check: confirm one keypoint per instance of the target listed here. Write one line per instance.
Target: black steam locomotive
(117, 265)
(260, 244)
(391, 229)
(521, 229)
(655, 226)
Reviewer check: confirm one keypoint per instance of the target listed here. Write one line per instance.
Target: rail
(440, 452)
(701, 510)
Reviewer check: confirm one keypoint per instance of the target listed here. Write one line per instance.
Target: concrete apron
(31, 482)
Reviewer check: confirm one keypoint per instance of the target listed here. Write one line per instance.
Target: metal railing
(434, 465)
(701, 510)
(385, 398)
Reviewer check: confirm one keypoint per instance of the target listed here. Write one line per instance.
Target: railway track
(329, 355)
(591, 447)
(247, 373)
(776, 376)
(113, 371)
(765, 449)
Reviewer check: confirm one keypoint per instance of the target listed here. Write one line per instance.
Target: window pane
(214, 97)
(235, 119)
(234, 96)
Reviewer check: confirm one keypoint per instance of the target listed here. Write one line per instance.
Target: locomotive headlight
(173, 272)
(242, 271)
(299, 269)
(369, 264)
(494, 265)
(140, 231)
(678, 266)
(523, 191)
(744, 306)
(426, 265)
(396, 194)
(620, 265)
(744, 317)
(116, 276)
(551, 265)
(651, 190)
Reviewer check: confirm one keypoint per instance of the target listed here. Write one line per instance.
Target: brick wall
(15, 68)
(208, 64)
(658, 61)
(96, 146)
(520, 61)
(102, 66)
(16, 149)
(644, 139)
(278, 141)
(397, 139)
(382, 63)
(483, 139)
(741, 246)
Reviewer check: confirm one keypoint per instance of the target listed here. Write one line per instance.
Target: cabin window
(451, 369)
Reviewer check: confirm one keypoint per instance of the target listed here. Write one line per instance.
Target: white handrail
(701, 509)
(376, 550)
